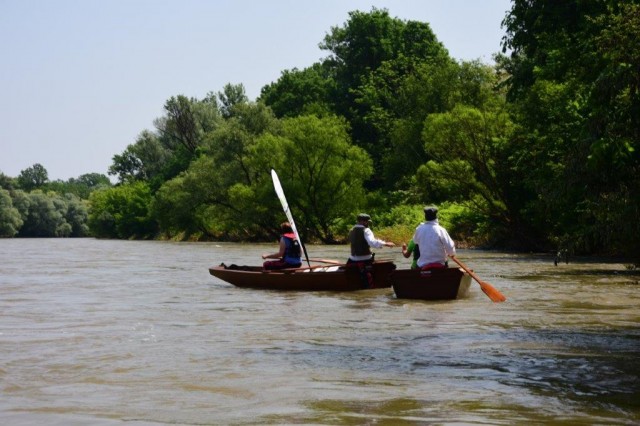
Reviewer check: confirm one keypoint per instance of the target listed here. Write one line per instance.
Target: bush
(464, 224)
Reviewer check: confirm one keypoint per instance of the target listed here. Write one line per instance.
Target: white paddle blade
(285, 206)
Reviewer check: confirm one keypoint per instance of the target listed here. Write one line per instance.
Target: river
(98, 332)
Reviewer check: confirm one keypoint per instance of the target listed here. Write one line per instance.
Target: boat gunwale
(304, 279)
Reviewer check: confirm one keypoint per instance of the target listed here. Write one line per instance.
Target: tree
(10, 220)
(615, 121)
(367, 40)
(177, 204)
(33, 177)
(127, 166)
(7, 182)
(122, 212)
(228, 193)
(92, 180)
(45, 217)
(76, 215)
(80, 187)
(299, 92)
(231, 96)
(403, 93)
(200, 200)
(158, 156)
(321, 172)
(371, 54)
(180, 125)
(21, 203)
(573, 82)
(467, 147)
(369, 58)
(144, 160)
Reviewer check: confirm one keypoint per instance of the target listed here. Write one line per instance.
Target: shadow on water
(578, 364)
(622, 273)
(564, 373)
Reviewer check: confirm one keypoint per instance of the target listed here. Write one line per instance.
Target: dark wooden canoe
(436, 284)
(325, 278)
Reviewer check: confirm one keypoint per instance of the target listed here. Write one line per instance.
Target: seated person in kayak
(289, 254)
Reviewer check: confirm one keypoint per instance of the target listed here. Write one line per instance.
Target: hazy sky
(80, 79)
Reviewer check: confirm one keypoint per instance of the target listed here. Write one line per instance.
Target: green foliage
(404, 214)
(299, 92)
(463, 222)
(230, 97)
(369, 58)
(321, 172)
(372, 54)
(45, 216)
(228, 193)
(180, 125)
(181, 205)
(466, 146)
(153, 159)
(541, 151)
(470, 164)
(77, 215)
(206, 200)
(574, 83)
(615, 98)
(10, 220)
(58, 212)
(7, 182)
(466, 225)
(122, 212)
(397, 223)
(367, 40)
(432, 87)
(127, 166)
(33, 177)
(21, 202)
(81, 187)
(158, 156)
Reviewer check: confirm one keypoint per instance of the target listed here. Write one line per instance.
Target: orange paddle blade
(493, 293)
(487, 288)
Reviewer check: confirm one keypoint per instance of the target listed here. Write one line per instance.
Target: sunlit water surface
(107, 332)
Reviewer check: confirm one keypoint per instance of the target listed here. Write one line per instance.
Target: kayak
(434, 284)
(347, 277)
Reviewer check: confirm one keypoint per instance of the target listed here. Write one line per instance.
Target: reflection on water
(104, 332)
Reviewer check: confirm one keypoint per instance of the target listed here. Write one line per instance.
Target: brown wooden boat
(317, 278)
(435, 284)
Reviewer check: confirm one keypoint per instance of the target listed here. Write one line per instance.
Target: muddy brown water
(110, 332)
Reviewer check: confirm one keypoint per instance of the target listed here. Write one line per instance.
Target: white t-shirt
(433, 242)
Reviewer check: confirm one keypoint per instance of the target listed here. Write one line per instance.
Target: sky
(81, 79)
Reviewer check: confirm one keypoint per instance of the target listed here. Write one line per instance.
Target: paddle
(287, 211)
(337, 262)
(487, 288)
(329, 261)
(301, 269)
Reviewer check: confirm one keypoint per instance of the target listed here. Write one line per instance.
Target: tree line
(33, 206)
(538, 152)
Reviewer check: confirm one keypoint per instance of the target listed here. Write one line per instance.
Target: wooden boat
(317, 278)
(435, 284)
